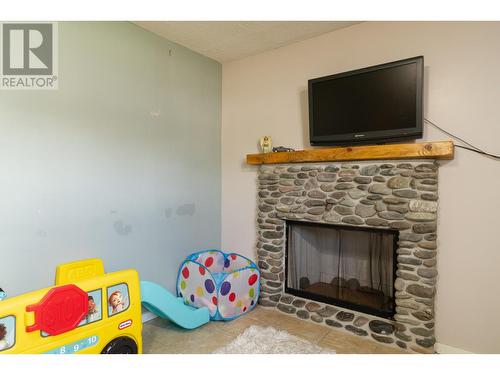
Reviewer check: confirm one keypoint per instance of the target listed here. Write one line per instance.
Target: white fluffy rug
(267, 340)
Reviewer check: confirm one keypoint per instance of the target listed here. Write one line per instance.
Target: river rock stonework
(401, 196)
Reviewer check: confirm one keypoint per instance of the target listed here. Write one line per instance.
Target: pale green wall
(82, 166)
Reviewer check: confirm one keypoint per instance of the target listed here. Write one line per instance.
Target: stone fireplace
(393, 205)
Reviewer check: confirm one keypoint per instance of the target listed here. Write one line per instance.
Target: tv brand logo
(29, 56)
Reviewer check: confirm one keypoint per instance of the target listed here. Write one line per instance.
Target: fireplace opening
(351, 267)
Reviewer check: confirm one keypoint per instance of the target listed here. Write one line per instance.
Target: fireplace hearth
(391, 205)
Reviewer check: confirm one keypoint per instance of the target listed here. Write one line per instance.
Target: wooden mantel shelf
(427, 150)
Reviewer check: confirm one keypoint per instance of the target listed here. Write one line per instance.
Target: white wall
(266, 95)
(109, 165)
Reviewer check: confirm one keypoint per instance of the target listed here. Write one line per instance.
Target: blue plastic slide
(164, 304)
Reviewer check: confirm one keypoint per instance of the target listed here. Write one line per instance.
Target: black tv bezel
(377, 136)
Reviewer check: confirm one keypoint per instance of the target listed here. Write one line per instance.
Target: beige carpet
(267, 340)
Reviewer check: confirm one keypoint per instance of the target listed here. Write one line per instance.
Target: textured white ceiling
(227, 41)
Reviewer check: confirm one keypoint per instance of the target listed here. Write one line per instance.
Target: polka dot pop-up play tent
(227, 284)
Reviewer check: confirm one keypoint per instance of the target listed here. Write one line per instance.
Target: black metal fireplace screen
(351, 267)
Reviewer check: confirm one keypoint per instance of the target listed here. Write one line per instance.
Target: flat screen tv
(377, 104)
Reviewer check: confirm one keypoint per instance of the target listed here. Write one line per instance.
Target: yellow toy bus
(87, 311)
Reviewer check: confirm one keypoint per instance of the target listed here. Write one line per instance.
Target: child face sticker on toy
(7, 332)
(118, 299)
(94, 312)
(116, 302)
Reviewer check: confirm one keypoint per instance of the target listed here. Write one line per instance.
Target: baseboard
(446, 349)
(147, 316)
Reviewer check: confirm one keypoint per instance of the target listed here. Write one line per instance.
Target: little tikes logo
(125, 324)
(29, 56)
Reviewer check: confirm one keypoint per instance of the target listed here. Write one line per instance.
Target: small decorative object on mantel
(282, 149)
(266, 144)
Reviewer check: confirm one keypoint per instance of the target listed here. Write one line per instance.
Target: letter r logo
(27, 49)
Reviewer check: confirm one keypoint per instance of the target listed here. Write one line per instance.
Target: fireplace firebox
(351, 267)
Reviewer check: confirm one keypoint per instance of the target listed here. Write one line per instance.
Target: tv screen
(376, 104)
